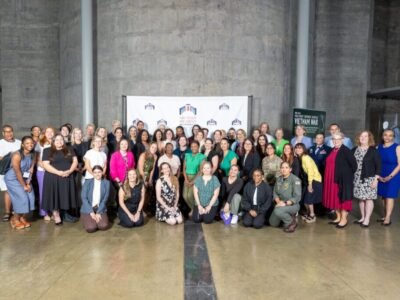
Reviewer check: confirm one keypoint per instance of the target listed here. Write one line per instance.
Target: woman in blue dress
(389, 185)
(18, 181)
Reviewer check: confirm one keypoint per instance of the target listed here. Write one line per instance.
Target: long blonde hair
(174, 180)
(126, 187)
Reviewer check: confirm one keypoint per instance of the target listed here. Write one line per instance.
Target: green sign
(312, 120)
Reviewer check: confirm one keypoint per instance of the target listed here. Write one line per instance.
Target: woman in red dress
(339, 175)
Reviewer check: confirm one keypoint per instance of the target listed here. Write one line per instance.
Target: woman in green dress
(229, 158)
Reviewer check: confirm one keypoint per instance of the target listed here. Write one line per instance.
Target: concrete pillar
(87, 61)
(303, 27)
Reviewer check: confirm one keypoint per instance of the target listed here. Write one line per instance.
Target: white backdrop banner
(211, 112)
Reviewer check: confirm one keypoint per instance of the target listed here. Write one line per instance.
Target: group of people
(227, 175)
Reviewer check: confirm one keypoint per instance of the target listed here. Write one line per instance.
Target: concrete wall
(341, 66)
(379, 45)
(195, 48)
(29, 63)
(393, 45)
(70, 62)
(385, 72)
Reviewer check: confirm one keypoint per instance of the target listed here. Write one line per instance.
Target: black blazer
(371, 164)
(252, 162)
(345, 167)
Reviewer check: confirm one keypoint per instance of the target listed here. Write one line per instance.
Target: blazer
(320, 156)
(264, 197)
(251, 163)
(118, 166)
(345, 167)
(371, 163)
(87, 196)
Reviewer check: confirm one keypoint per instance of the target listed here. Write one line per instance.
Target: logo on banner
(188, 108)
(211, 122)
(162, 122)
(236, 122)
(149, 106)
(188, 115)
(224, 106)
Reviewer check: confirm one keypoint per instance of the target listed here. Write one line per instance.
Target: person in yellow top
(313, 192)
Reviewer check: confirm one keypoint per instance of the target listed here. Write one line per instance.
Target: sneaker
(225, 218)
(311, 219)
(234, 220)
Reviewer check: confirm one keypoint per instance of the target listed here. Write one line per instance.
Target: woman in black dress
(59, 162)
(131, 200)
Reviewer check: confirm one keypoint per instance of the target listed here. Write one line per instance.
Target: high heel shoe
(364, 225)
(386, 224)
(380, 220)
(358, 222)
(333, 223)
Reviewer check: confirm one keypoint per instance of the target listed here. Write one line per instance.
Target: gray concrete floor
(318, 261)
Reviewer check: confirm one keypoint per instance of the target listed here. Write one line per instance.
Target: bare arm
(214, 198)
(141, 165)
(16, 165)
(214, 162)
(49, 168)
(121, 195)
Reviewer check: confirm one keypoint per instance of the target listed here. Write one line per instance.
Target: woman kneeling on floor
(287, 195)
(167, 192)
(95, 193)
(205, 191)
(257, 198)
(131, 200)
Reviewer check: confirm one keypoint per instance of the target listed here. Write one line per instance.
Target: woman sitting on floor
(95, 193)
(131, 200)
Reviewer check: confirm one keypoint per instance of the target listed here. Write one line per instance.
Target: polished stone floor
(200, 262)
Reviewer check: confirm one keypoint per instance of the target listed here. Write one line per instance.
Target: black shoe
(333, 223)
(386, 224)
(357, 222)
(341, 226)
(364, 225)
(380, 220)
(59, 223)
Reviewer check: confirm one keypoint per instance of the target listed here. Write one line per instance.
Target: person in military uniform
(287, 195)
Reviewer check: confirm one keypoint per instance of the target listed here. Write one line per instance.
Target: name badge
(26, 175)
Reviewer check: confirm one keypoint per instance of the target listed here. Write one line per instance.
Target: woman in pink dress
(339, 175)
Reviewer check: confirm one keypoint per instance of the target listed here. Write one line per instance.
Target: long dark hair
(65, 150)
(262, 152)
(139, 136)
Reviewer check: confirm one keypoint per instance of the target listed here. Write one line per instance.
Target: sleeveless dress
(168, 194)
(148, 167)
(362, 187)
(388, 156)
(23, 202)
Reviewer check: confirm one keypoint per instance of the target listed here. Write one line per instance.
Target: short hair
(334, 124)
(114, 122)
(7, 126)
(339, 135)
(90, 125)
